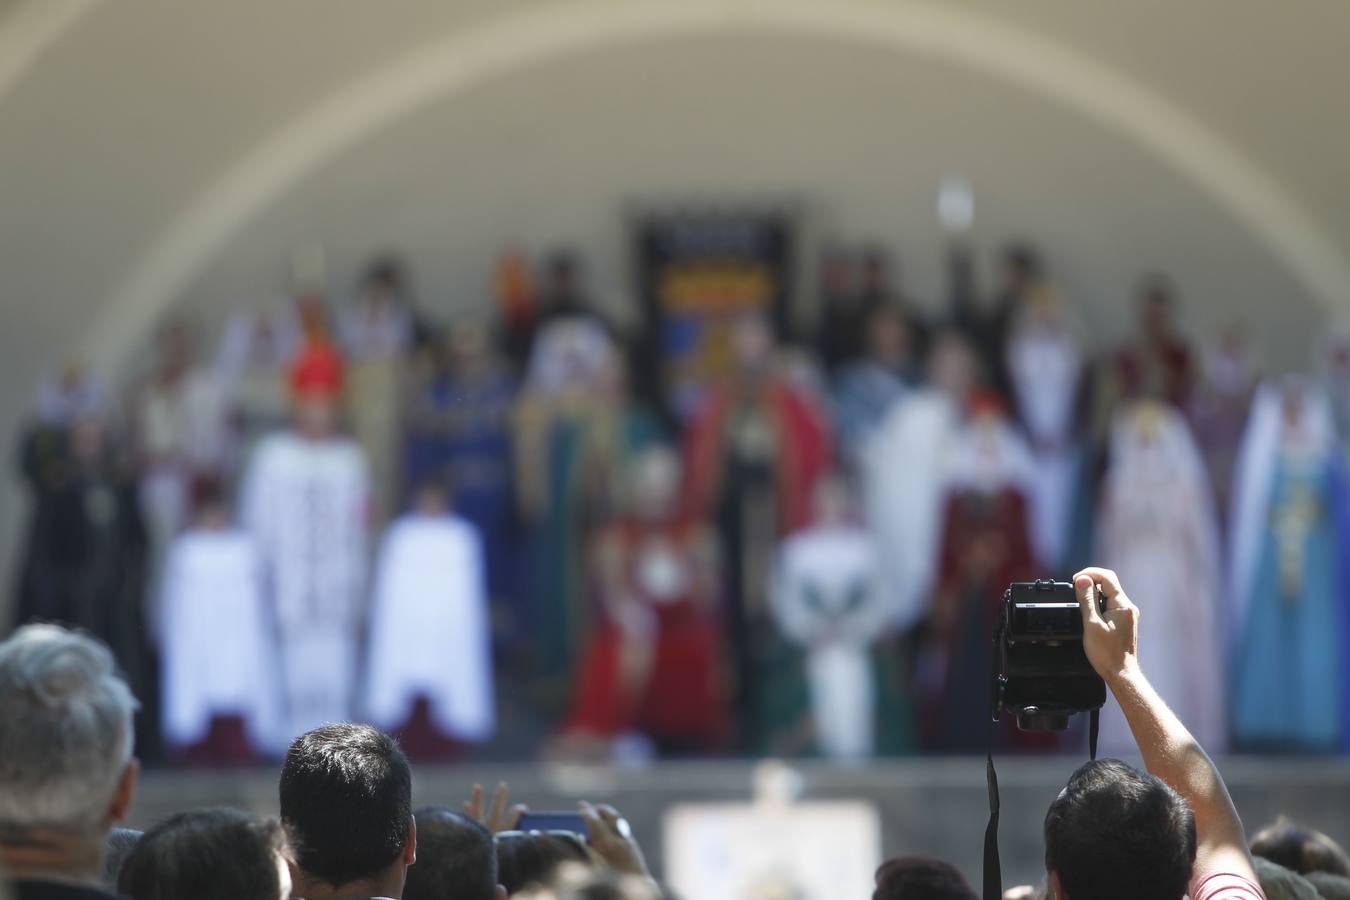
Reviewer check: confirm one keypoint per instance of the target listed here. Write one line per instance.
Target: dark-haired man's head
(920, 878)
(455, 859)
(208, 854)
(534, 859)
(1115, 833)
(1299, 849)
(346, 802)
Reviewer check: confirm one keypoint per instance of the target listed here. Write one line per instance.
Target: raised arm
(1170, 752)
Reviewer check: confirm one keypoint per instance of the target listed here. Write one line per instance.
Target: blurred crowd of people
(353, 511)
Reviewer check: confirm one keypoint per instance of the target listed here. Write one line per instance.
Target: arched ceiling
(156, 152)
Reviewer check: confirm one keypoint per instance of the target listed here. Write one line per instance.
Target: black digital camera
(1041, 673)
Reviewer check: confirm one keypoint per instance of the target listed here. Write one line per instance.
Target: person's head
(562, 272)
(1021, 268)
(655, 483)
(175, 346)
(383, 280)
(1300, 849)
(889, 339)
(533, 858)
(468, 346)
(752, 344)
(1115, 833)
(1278, 883)
(346, 802)
(208, 854)
(920, 878)
(1157, 307)
(316, 385)
(118, 846)
(206, 496)
(875, 273)
(431, 497)
(836, 274)
(832, 500)
(66, 738)
(455, 858)
(952, 367)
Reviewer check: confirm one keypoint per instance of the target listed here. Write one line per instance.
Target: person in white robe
(1045, 369)
(305, 500)
(255, 351)
(429, 632)
(903, 465)
(829, 598)
(220, 698)
(1156, 527)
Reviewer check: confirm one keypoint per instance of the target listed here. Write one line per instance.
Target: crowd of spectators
(348, 830)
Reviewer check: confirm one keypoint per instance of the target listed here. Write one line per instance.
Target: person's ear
(410, 843)
(501, 893)
(125, 792)
(1056, 888)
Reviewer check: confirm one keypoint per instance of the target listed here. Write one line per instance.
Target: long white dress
(1158, 530)
(217, 653)
(828, 597)
(306, 503)
(429, 628)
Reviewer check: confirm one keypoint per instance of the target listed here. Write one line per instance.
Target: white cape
(429, 628)
(217, 655)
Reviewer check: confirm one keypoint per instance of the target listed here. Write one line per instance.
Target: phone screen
(553, 821)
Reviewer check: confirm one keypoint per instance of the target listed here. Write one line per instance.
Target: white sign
(801, 851)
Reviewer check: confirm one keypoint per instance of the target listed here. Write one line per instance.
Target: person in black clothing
(987, 325)
(208, 854)
(67, 774)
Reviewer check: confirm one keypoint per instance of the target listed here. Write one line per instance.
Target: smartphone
(553, 821)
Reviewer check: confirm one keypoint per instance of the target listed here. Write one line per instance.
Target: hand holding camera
(1110, 635)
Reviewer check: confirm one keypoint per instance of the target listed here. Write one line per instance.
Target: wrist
(1126, 674)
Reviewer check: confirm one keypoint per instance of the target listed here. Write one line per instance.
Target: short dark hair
(455, 858)
(920, 878)
(1300, 849)
(206, 854)
(533, 859)
(1115, 833)
(346, 802)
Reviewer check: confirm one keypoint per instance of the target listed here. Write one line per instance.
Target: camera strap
(993, 868)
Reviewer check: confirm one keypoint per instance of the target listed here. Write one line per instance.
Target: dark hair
(1115, 833)
(346, 801)
(384, 271)
(533, 858)
(920, 878)
(1300, 849)
(1023, 258)
(121, 841)
(455, 858)
(205, 854)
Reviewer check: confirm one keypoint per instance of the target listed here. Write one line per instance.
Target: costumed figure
(865, 391)
(255, 351)
(305, 501)
(904, 470)
(575, 429)
(1218, 410)
(85, 560)
(1157, 365)
(429, 666)
(1288, 561)
(376, 332)
(457, 431)
(516, 307)
(829, 600)
(220, 694)
(1044, 363)
(180, 431)
(987, 326)
(654, 664)
(754, 449)
(1156, 527)
(985, 546)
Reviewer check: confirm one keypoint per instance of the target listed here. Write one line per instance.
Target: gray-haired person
(66, 770)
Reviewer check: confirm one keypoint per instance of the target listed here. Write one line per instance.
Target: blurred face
(86, 439)
(952, 368)
(468, 346)
(831, 502)
(431, 501)
(1156, 315)
(752, 344)
(888, 338)
(656, 484)
(316, 415)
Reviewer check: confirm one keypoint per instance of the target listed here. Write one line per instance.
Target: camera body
(1041, 673)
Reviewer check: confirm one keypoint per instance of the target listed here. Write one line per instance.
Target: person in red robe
(754, 451)
(653, 667)
(1158, 364)
(985, 546)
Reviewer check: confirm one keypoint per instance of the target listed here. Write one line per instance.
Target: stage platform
(934, 806)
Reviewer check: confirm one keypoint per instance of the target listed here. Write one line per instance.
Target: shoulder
(1224, 886)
